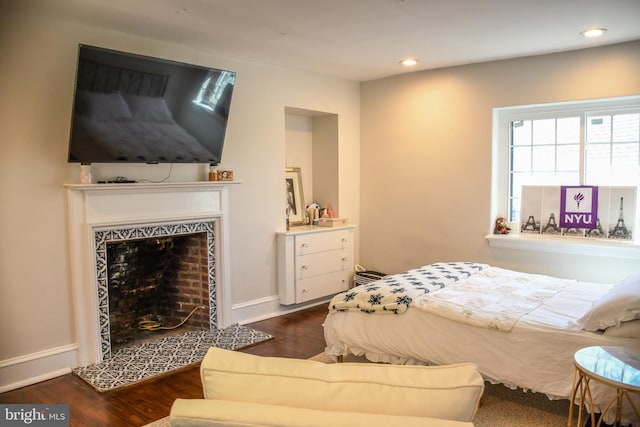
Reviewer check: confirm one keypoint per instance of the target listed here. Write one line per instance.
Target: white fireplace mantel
(93, 207)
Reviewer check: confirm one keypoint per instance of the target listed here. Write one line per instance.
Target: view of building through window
(587, 148)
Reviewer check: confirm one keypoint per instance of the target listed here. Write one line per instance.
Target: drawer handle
(344, 240)
(344, 259)
(304, 245)
(305, 267)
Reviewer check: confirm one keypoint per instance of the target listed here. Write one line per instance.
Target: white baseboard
(266, 308)
(36, 367)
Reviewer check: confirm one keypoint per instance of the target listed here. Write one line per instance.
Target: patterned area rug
(140, 362)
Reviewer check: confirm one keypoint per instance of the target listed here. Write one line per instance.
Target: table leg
(581, 385)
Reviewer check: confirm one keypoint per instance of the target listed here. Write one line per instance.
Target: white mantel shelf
(150, 185)
(150, 202)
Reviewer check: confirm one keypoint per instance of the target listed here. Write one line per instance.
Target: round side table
(616, 367)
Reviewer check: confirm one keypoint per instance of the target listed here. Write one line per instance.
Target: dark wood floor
(298, 335)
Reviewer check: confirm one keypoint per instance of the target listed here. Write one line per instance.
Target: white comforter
(492, 298)
(536, 355)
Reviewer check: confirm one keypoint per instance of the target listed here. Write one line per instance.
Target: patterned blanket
(395, 293)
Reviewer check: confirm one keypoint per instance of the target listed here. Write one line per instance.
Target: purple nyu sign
(579, 206)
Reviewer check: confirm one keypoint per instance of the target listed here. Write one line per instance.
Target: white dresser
(314, 262)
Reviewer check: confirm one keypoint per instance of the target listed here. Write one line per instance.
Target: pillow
(102, 106)
(149, 108)
(621, 304)
(629, 329)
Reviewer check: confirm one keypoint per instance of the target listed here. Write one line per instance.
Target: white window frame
(502, 117)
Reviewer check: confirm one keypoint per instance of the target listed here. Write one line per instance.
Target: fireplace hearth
(101, 217)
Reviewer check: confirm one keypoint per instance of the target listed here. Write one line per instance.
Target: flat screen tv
(136, 109)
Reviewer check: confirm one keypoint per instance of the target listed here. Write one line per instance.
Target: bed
(520, 329)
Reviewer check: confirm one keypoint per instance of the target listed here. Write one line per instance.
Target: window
(213, 88)
(578, 143)
(612, 155)
(542, 152)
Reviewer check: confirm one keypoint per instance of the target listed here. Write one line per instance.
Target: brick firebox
(160, 279)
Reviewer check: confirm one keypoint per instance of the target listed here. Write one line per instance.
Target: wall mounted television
(130, 108)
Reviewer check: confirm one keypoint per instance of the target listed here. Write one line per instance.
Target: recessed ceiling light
(409, 62)
(593, 32)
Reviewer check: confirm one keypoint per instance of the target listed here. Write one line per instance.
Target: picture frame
(294, 195)
(225, 175)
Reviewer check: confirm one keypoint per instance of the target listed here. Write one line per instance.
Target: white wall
(37, 338)
(299, 148)
(426, 158)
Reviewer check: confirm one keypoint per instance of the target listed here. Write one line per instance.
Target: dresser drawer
(323, 285)
(320, 242)
(324, 262)
(314, 263)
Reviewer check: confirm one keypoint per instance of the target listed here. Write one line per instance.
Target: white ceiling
(360, 39)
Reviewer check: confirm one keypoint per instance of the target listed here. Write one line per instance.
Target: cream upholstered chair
(242, 389)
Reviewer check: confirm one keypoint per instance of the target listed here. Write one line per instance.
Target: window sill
(565, 245)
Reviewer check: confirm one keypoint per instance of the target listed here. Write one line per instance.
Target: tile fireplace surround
(100, 213)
